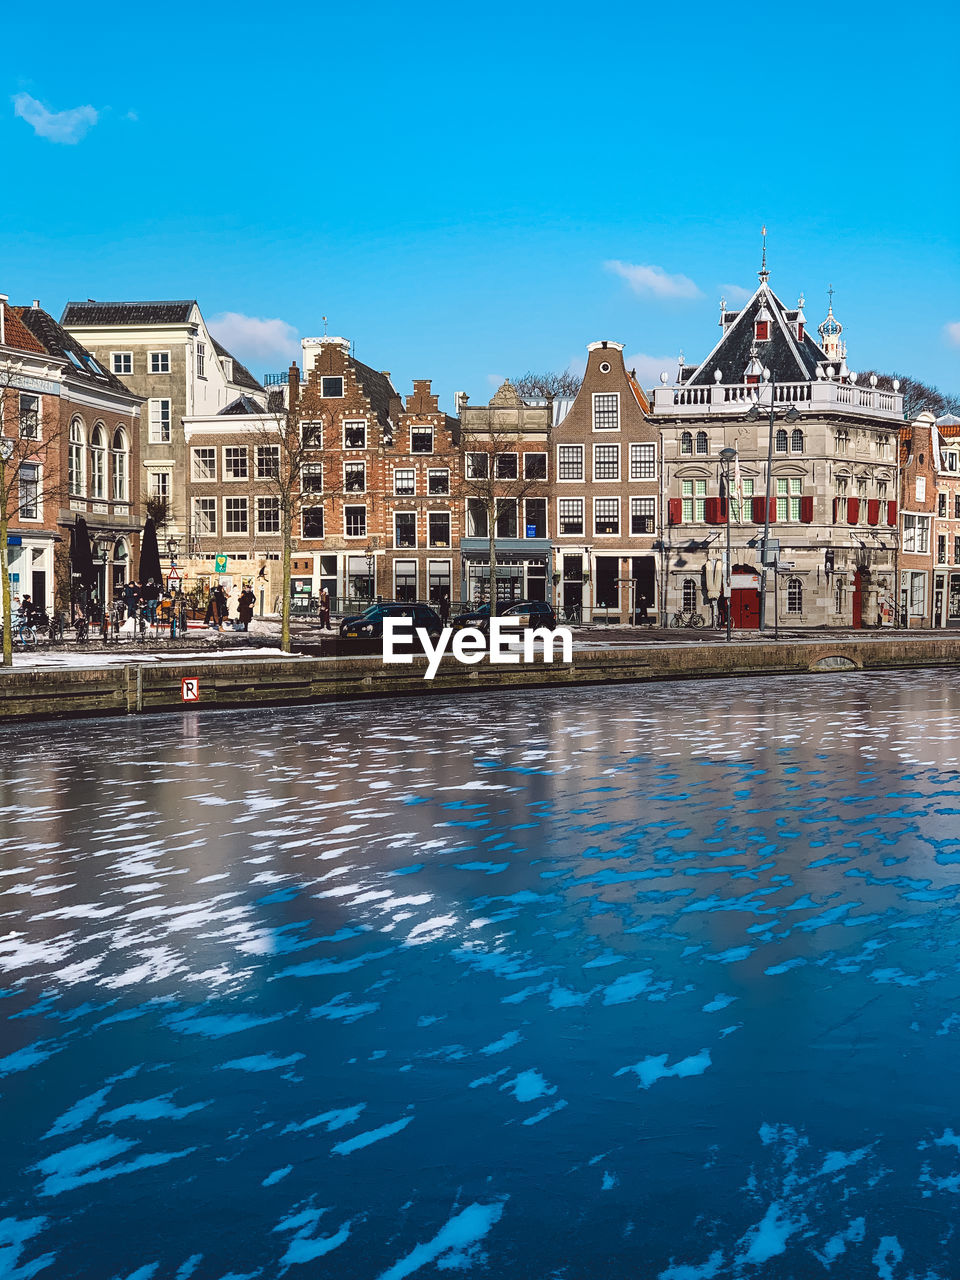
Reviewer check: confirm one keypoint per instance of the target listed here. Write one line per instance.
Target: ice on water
(373, 985)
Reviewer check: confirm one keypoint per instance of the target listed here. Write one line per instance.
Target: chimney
(293, 385)
(3, 326)
(385, 372)
(35, 305)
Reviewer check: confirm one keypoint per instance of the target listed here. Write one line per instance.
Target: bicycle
(571, 616)
(55, 629)
(687, 618)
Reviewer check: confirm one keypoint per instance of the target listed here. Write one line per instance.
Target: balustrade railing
(733, 397)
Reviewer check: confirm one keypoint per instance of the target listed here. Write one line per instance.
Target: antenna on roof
(763, 273)
(324, 326)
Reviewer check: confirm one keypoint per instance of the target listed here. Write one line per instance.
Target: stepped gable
(788, 358)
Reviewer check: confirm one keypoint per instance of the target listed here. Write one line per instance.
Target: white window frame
(355, 506)
(355, 423)
(619, 532)
(537, 453)
(194, 470)
(37, 483)
(398, 561)
(201, 357)
(225, 470)
(443, 546)
(650, 509)
(561, 479)
(329, 377)
(274, 501)
(155, 430)
(160, 483)
(313, 506)
(416, 531)
(640, 459)
(438, 471)
(421, 428)
(405, 471)
(210, 507)
(121, 356)
(312, 428)
(546, 515)
(604, 395)
(468, 464)
(560, 518)
(356, 464)
(161, 358)
(498, 458)
(236, 533)
(258, 472)
(614, 479)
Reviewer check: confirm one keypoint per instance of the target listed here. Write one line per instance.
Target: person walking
(245, 608)
(151, 594)
(325, 610)
(233, 605)
(222, 610)
(445, 607)
(131, 598)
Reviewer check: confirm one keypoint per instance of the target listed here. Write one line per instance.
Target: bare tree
(494, 484)
(547, 385)
(30, 472)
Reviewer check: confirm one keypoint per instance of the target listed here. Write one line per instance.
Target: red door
(745, 608)
(858, 600)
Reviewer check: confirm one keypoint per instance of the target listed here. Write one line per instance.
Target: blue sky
(449, 184)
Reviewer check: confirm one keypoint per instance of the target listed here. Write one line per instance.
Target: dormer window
(801, 329)
(762, 333)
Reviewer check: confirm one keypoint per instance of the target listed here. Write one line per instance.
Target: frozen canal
(651, 983)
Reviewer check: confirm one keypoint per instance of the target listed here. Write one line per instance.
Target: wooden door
(745, 608)
(858, 600)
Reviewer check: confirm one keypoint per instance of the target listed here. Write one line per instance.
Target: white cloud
(735, 293)
(495, 380)
(952, 333)
(649, 368)
(655, 280)
(251, 338)
(57, 126)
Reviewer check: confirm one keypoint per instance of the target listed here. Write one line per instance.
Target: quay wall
(137, 688)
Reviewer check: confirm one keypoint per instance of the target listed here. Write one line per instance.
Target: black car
(531, 613)
(369, 625)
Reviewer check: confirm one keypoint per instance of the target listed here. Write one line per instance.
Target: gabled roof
(788, 359)
(242, 376)
(378, 389)
(56, 341)
(242, 405)
(132, 313)
(16, 333)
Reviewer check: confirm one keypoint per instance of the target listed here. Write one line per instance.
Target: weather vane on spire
(763, 273)
(324, 326)
(830, 296)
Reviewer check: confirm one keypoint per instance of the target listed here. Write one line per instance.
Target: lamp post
(754, 415)
(727, 456)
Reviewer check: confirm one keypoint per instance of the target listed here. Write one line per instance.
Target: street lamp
(727, 456)
(754, 415)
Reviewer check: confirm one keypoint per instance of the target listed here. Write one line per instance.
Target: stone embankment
(133, 687)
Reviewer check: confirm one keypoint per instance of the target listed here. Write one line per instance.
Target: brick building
(823, 449)
(946, 540)
(85, 423)
(606, 489)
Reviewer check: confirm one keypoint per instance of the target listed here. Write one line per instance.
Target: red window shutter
(873, 511)
(836, 509)
(806, 508)
(773, 510)
(675, 510)
(757, 510)
(891, 513)
(711, 511)
(853, 510)
(763, 330)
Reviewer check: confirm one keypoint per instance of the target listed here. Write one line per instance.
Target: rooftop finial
(324, 326)
(830, 296)
(763, 273)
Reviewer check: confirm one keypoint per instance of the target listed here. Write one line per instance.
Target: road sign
(220, 564)
(174, 578)
(190, 689)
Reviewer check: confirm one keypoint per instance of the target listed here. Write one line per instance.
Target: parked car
(530, 613)
(369, 624)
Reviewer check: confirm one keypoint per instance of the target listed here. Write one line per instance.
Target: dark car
(369, 625)
(530, 613)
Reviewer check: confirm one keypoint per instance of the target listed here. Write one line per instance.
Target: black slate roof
(241, 374)
(788, 359)
(113, 313)
(242, 405)
(56, 341)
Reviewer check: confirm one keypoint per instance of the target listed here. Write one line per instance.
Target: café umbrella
(81, 554)
(150, 555)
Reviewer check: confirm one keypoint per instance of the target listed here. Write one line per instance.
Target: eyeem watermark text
(468, 645)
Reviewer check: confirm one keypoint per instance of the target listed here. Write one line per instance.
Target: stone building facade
(946, 537)
(85, 423)
(815, 474)
(164, 352)
(606, 494)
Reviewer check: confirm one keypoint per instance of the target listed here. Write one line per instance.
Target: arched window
(781, 442)
(794, 596)
(686, 442)
(689, 595)
(75, 459)
(796, 440)
(703, 444)
(98, 468)
(118, 466)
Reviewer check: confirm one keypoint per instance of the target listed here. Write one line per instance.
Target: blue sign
(531, 530)
(14, 540)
